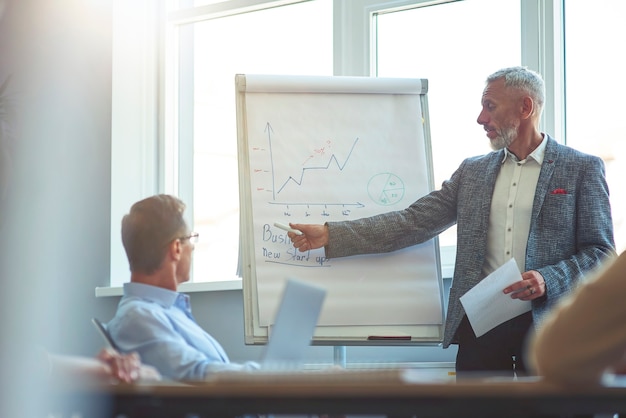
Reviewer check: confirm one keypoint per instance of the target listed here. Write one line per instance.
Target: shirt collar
(163, 297)
(537, 154)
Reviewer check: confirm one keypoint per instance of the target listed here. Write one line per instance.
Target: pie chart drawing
(385, 189)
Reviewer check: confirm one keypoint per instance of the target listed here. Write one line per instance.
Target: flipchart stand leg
(339, 356)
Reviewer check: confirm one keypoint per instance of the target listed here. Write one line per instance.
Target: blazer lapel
(545, 175)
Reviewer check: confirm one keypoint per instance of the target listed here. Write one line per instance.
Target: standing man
(532, 199)
(153, 318)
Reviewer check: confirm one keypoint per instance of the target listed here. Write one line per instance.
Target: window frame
(150, 155)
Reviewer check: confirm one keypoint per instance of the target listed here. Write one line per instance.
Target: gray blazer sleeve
(421, 221)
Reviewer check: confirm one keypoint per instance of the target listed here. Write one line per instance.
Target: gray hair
(524, 79)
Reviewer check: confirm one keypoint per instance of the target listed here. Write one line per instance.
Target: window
(448, 45)
(294, 39)
(594, 35)
(206, 47)
(174, 112)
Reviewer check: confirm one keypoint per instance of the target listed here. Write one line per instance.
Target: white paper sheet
(485, 304)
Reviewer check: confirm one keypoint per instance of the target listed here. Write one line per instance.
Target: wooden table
(391, 393)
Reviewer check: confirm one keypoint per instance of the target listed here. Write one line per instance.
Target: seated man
(152, 318)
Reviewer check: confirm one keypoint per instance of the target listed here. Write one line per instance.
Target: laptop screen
(294, 325)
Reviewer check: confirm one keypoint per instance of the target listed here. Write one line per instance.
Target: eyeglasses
(193, 237)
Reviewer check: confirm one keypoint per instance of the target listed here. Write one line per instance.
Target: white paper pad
(485, 304)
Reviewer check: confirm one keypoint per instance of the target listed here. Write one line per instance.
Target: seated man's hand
(127, 367)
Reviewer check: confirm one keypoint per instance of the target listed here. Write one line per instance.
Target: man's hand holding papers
(487, 306)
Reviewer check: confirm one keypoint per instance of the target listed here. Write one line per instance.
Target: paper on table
(485, 304)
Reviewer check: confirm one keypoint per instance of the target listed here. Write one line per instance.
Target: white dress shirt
(511, 208)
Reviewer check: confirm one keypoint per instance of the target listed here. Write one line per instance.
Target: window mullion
(542, 51)
(185, 114)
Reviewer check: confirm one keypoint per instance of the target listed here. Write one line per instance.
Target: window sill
(184, 288)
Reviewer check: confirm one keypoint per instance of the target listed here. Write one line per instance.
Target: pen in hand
(287, 228)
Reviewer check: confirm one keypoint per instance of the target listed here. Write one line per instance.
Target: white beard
(504, 139)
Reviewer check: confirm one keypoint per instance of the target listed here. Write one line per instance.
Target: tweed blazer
(571, 229)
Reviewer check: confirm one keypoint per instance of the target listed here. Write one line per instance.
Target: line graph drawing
(300, 179)
(333, 158)
(325, 168)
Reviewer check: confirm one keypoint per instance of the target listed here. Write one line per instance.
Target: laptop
(294, 325)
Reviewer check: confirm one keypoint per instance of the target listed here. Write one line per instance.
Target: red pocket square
(558, 191)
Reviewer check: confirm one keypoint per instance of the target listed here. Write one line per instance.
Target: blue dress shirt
(157, 323)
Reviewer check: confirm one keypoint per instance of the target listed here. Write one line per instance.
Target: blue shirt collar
(164, 297)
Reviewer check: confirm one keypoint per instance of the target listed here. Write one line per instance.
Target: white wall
(55, 220)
